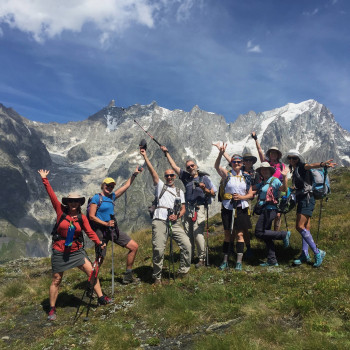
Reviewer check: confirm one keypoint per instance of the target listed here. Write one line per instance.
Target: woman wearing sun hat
(68, 253)
(301, 176)
(237, 191)
(268, 193)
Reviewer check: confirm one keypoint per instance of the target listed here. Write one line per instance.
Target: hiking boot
(201, 263)
(128, 278)
(238, 266)
(286, 240)
(52, 314)
(223, 266)
(266, 264)
(303, 258)
(319, 258)
(104, 300)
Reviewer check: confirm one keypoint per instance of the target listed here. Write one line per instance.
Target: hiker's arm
(226, 155)
(89, 232)
(55, 202)
(154, 174)
(248, 195)
(284, 186)
(128, 183)
(258, 147)
(208, 191)
(328, 164)
(221, 171)
(174, 217)
(171, 160)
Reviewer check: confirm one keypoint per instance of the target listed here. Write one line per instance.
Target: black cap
(143, 144)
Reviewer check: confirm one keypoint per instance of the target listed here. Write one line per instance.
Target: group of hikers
(183, 215)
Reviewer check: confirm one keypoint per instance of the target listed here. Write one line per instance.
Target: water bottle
(70, 235)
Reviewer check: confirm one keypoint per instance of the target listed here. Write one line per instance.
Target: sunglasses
(73, 200)
(169, 175)
(292, 158)
(189, 166)
(236, 162)
(109, 185)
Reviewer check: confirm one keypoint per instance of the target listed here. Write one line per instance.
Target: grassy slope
(276, 308)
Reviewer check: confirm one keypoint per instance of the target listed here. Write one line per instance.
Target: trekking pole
(89, 287)
(320, 213)
(171, 253)
(207, 247)
(148, 134)
(285, 220)
(111, 233)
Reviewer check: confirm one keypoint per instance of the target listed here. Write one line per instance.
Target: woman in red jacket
(68, 253)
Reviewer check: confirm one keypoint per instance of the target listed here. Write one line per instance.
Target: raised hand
(329, 163)
(43, 173)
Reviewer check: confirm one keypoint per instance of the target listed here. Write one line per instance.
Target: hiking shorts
(305, 206)
(106, 234)
(242, 219)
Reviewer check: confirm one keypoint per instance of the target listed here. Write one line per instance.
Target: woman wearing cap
(65, 257)
(273, 157)
(301, 176)
(268, 192)
(100, 210)
(236, 196)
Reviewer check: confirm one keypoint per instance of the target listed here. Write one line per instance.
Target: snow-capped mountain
(81, 154)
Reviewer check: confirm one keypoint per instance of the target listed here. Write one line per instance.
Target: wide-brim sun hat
(108, 180)
(73, 195)
(274, 149)
(265, 165)
(249, 156)
(293, 153)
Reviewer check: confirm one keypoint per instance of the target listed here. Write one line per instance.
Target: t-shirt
(194, 194)
(167, 200)
(106, 209)
(277, 167)
(276, 184)
(236, 184)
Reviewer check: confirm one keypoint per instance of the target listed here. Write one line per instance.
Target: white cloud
(313, 13)
(48, 18)
(184, 10)
(253, 48)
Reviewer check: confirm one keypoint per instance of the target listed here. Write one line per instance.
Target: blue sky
(64, 60)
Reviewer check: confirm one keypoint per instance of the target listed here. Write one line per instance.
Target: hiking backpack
(223, 183)
(152, 208)
(270, 197)
(320, 185)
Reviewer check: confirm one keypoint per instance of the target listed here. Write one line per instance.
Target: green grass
(268, 308)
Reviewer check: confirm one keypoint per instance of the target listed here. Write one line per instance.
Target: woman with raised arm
(237, 191)
(302, 182)
(273, 157)
(67, 248)
(268, 193)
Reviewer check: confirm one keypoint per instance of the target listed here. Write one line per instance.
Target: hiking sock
(240, 250)
(309, 240)
(305, 247)
(128, 270)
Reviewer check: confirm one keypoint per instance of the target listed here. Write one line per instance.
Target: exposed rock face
(80, 154)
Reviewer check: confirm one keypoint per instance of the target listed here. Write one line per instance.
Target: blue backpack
(320, 185)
